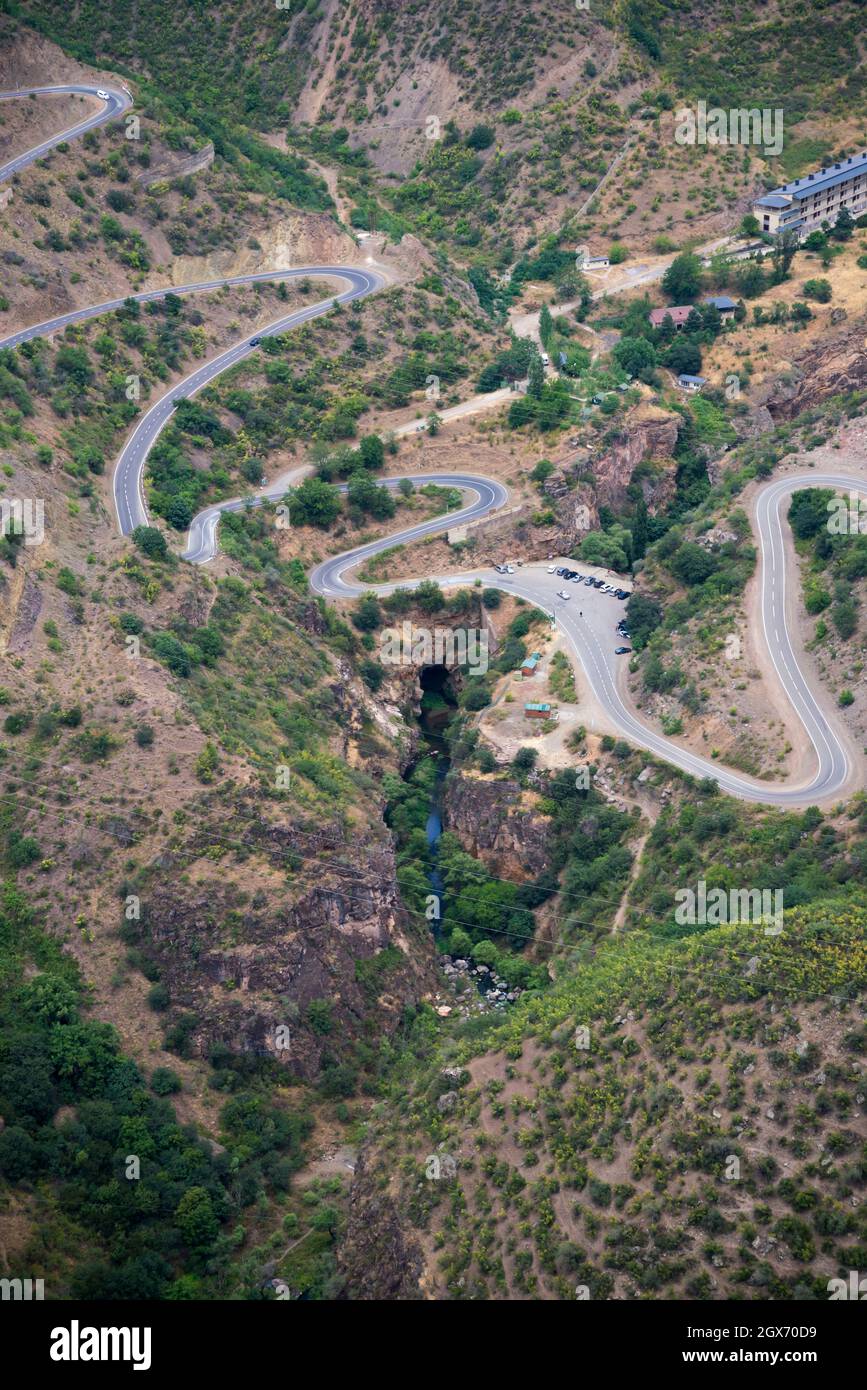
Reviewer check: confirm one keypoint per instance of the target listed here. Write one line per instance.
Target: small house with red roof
(679, 314)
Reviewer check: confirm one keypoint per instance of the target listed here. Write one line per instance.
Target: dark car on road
(619, 651)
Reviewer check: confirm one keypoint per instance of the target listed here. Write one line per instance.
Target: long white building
(805, 203)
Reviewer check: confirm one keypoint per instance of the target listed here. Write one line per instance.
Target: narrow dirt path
(637, 847)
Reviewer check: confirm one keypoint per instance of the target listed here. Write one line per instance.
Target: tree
(809, 511)
(195, 1218)
(610, 549)
(179, 513)
(546, 325)
(367, 614)
(844, 226)
(635, 355)
(816, 241)
(751, 280)
(525, 759)
(429, 596)
(151, 542)
(207, 763)
(314, 503)
(481, 137)
(643, 615)
(684, 356)
(666, 332)
(577, 361)
(819, 290)
(172, 653)
(785, 245)
(749, 225)
(367, 496)
(372, 451)
(682, 281)
(640, 529)
(460, 942)
(536, 377)
(845, 617)
(691, 564)
(711, 320)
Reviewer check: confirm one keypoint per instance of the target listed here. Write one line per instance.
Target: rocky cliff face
(302, 917)
(309, 238)
(831, 368)
(490, 823)
(648, 438)
(581, 484)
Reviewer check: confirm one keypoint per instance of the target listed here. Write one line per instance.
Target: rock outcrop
(490, 823)
(647, 442)
(831, 368)
(641, 453)
(288, 968)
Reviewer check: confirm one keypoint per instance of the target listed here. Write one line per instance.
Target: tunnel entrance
(439, 702)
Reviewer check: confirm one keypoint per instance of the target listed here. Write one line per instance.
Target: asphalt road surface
(129, 472)
(587, 618)
(116, 101)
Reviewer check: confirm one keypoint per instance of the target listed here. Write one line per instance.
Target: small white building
(686, 382)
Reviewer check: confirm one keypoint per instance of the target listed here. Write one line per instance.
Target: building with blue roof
(724, 304)
(806, 203)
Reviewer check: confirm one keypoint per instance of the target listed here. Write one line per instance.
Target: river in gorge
(438, 708)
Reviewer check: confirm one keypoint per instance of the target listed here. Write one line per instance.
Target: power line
(561, 947)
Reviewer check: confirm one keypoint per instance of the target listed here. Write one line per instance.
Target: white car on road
(101, 94)
(562, 593)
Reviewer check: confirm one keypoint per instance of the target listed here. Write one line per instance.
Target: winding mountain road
(129, 472)
(115, 102)
(586, 619)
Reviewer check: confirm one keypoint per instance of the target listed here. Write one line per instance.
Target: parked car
(621, 651)
(510, 569)
(597, 583)
(589, 579)
(552, 569)
(625, 594)
(576, 579)
(501, 569)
